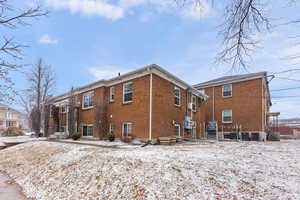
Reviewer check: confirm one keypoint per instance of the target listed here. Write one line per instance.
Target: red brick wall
(136, 112)
(246, 105)
(164, 111)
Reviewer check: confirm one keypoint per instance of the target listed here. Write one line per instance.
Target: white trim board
(155, 69)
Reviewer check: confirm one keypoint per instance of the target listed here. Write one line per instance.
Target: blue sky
(85, 40)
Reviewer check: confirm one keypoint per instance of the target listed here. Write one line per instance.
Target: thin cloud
(88, 8)
(106, 72)
(120, 8)
(46, 39)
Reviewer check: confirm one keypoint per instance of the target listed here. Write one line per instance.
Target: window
(194, 131)
(63, 109)
(227, 90)
(227, 116)
(111, 128)
(194, 103)
(11, 123)
(177, 130)
(177, 96)
(8, 115)
(111, 94)
(87, 130)
(88, 100)
(127, 129)
(127, 92)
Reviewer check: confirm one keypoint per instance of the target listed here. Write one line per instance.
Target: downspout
(191, 100)
(150, 108)
(213, 106)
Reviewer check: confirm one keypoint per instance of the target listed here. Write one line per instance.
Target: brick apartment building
(147, 103)
(238, 102)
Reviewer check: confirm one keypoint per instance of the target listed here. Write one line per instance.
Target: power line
(285, 78)
(296, 96)
(286, 71)
(285, 89)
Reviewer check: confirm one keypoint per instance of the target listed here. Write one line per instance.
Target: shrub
(76, 136)
(111, 137)
(12, 131)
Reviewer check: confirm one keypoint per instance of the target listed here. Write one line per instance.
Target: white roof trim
(219, 83)
(155, 69)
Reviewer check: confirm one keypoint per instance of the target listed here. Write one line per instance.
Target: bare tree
(11, 51)
(41, 79)
(100, 102)
(26, 101)
(243, 19)
(100, 119)
(72, 113)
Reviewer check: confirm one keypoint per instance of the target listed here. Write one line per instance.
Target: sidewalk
(10, 190)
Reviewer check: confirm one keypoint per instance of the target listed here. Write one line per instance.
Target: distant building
(288, 126)
(10, 117)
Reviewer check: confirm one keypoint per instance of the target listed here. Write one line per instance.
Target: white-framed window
(63, 109)
(194, 103)
(111, 128)
(177, 96)
(87, 130)
(126, 129)
(9, 115)
(88, 100)
(227, 116)
(127, 92)
(227, 90)
(194, 131)
(177, 130)
(111, 94)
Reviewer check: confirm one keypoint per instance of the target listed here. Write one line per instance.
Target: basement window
(177, 130)
(227, 90)
(227, 116)
(87, 130)
(126, 129)
(127, 92)
(111, 128)
(177, 96)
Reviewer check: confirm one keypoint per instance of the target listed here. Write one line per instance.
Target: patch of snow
(221, 170)
(99, 142)
(21, 139)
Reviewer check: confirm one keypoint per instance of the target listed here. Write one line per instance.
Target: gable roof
(153, 68)
(235, 79)
(230, 79)
(6, 107)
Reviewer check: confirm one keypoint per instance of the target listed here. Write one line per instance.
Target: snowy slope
(225, 170)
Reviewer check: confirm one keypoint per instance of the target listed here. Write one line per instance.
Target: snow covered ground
(21, 139)
(102, 143)
(224, 170)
